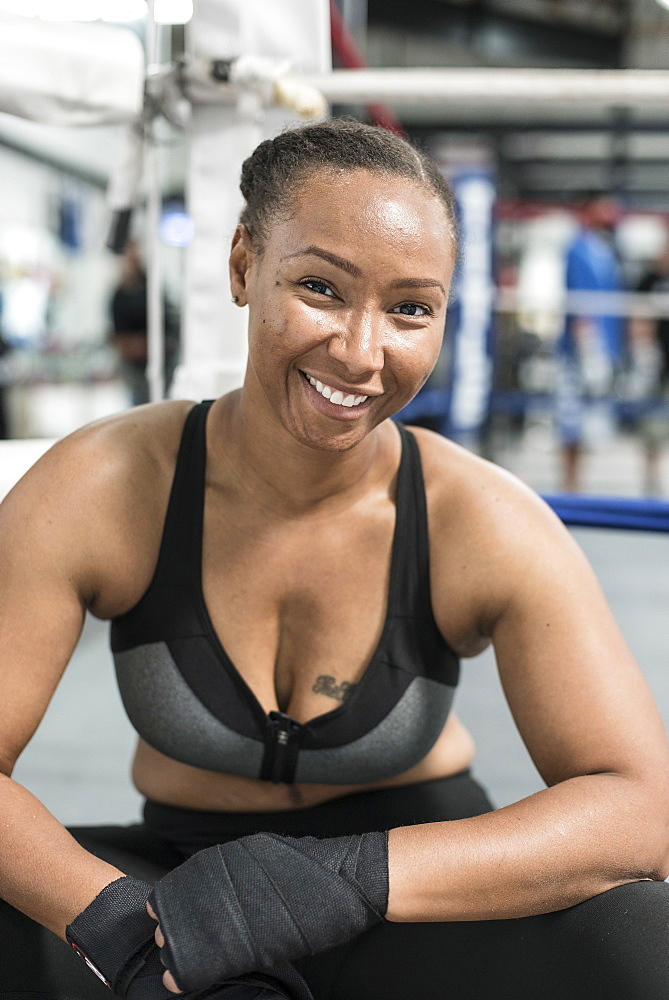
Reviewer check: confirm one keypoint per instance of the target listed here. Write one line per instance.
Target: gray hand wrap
(255, 902)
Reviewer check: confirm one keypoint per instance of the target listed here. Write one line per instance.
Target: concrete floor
(78, 761)
(616, 469)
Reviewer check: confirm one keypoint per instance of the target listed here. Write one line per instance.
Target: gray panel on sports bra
(172, 719)
(397, 743)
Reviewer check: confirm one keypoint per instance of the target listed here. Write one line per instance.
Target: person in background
(590, 346)
(129, 337)
(649, 374)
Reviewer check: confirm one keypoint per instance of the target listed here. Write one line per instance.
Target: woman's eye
(317, 286)
(411, 309)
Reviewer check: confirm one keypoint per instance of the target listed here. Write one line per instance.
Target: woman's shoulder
(138, 443)
(94, 503)
(148, 426)
(470, 492)
(493, 541)
(452, 469)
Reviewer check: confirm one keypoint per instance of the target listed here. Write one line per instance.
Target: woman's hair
(276, 170)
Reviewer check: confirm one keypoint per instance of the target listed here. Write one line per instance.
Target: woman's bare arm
(66, 544)
(582, 708)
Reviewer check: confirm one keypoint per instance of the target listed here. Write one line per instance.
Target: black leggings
(612, 947)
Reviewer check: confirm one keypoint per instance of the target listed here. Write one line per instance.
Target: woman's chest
(299, 608)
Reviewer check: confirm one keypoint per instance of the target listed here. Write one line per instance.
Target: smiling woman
(292, 580)
(346, 289)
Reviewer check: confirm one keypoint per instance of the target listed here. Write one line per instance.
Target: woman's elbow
(652, 829)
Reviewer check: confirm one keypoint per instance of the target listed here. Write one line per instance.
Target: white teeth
(336, 396)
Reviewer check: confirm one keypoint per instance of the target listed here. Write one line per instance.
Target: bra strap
(182, 535)
(410, 573)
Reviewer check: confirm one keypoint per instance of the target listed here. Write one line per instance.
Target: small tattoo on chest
(327, 685)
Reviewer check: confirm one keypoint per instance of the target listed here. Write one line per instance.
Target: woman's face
(346, 304)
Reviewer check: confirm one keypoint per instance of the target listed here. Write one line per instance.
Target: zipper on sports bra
(283, 736)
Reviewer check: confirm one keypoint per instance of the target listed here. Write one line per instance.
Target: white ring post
(221, 136)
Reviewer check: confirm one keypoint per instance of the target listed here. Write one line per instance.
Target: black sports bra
(184, 696)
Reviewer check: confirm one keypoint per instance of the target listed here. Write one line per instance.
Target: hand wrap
(285, 983)
(252, 903)
(114, 936)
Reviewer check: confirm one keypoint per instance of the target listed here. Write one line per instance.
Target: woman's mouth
(335, 396)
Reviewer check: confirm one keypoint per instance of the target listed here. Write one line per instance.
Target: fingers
(168, 979)
(158, 935)
(169, 983)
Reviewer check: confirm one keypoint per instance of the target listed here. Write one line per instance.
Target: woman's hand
(284, 984)
(252, 904)
(168, 978)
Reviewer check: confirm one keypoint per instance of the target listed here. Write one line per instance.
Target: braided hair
(274, 173)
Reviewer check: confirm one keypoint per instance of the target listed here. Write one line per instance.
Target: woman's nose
(359, 345)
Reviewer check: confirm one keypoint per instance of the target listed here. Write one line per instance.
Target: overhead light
(77, 10)
(123, 11)
(68, 10)
(172, 11)
(663, 3)
(176, 228)
(26, 9)
(164, 11)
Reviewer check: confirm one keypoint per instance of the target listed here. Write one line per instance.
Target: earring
(234, 299)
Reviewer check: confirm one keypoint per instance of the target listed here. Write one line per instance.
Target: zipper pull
(282, 745)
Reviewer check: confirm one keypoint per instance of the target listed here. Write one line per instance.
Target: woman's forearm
(44, 872)
(551, 850)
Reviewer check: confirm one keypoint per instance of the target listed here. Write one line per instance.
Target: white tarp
(69, 74)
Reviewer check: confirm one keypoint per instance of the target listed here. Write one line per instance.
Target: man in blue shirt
(590, 346)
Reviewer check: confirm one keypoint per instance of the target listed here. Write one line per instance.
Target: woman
(288, 611)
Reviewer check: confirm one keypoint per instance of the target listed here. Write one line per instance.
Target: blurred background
(556, 356)
(569, 393)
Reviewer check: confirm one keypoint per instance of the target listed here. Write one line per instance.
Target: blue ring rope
(610, 512)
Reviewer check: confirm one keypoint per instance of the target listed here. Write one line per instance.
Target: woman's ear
(241, 255)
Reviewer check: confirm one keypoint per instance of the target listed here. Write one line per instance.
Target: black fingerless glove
(114, 936)
(255, 902)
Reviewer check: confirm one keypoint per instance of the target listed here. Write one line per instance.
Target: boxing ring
(248, 66)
